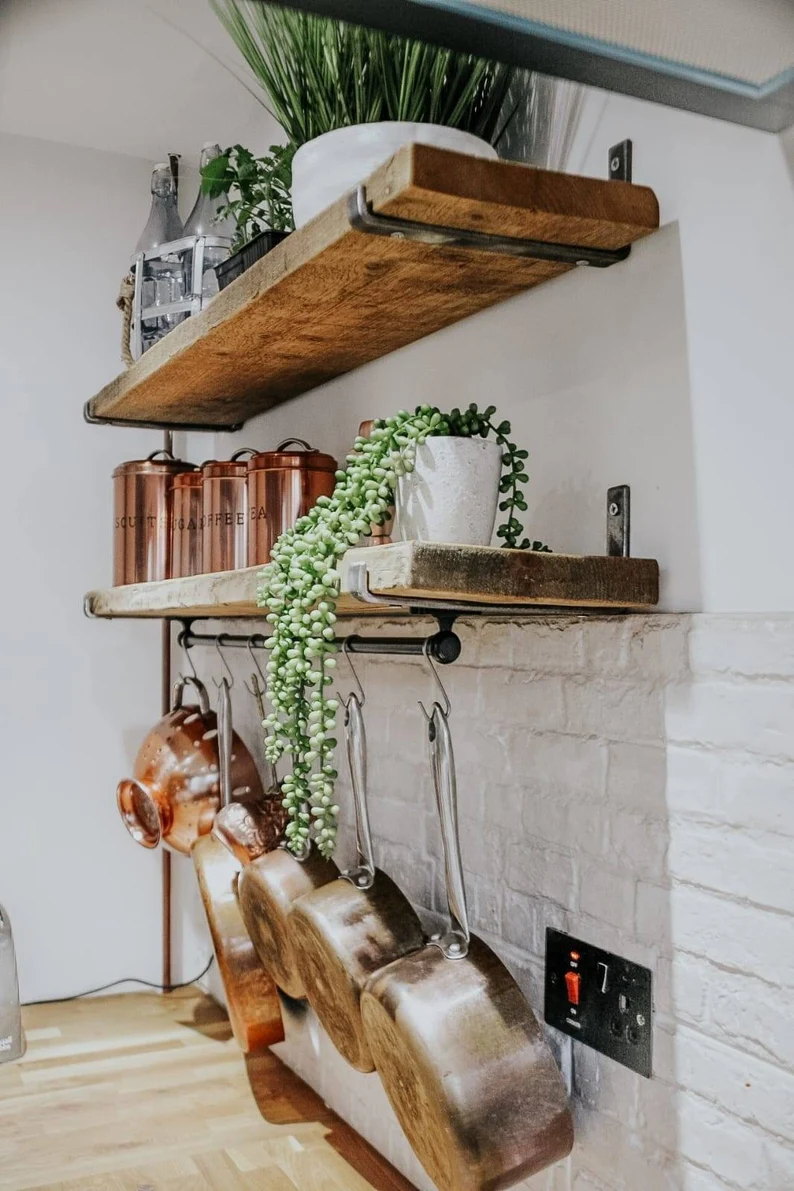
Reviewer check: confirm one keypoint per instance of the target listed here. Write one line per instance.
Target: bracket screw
(614, 164)
(614, 509)
(640, 1019)
(398, 235)
(454, 948)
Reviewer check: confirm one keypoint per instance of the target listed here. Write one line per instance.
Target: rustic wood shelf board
(413, 571)
(330, 298)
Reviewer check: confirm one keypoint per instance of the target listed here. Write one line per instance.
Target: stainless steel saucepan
(352, 927)
(459, 1051)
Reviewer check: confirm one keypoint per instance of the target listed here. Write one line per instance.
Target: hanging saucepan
(175, 792)
(267, 889)
(251, 998)
(351, 927)
(458, 1049)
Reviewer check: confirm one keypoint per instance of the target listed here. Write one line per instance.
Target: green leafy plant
(301, 588)
(260, 189)
(320, 74)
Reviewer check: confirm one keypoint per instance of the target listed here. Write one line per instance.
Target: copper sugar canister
(282, 486)
(187, 495)
(225, 513)
(142, 517)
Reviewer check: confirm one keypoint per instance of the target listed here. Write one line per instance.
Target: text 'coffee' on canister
(284, 485)
(142, 517)
(225, 513)
(187, 508)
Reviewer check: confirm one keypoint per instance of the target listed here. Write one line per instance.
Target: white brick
(758, 794)
(756, 716)
(394, 821)
(638, 844)
(637, 777)
(732, 934)
(752, 1014)
(559, 765)
(653, 916)
(566, 823)
(414, 874)
(682, 986)
(542, 871)
(606, 895)
(614, 710)
(745, 864)
(651, 648)
(534, 704)
(753, 647)
(717, 1141)
(526, 918)
(553, 647)
(758, 1092)
(484, 899)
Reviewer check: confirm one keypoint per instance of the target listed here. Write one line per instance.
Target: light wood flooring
(150, 1093)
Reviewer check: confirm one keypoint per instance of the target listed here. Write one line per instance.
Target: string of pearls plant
(301, 588)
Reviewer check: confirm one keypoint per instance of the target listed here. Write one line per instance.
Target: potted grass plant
(349, 97)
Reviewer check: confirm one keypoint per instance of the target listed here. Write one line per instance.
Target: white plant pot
(452, 494)
(332, 164)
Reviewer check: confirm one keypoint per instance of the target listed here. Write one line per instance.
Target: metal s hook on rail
(447, 708)
(229, 677)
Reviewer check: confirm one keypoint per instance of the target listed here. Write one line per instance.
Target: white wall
(77, 696)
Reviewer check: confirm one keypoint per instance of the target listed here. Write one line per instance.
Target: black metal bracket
(620, 161)
(186, 427)
(619, 521)
(363, 219)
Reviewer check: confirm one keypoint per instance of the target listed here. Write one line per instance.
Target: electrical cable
(125, 980)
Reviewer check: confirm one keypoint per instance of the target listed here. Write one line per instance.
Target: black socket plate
(615, 1010)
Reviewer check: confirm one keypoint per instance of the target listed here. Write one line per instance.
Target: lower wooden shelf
(413, 574)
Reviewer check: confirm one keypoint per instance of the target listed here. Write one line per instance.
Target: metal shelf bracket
(186, 427)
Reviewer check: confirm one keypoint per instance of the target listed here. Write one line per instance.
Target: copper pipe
(165, 704)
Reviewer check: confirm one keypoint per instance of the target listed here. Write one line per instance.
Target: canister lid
(188, 479)
(303, 457)
(233, 468)
(152, 466)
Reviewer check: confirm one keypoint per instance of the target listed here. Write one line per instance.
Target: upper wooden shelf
(417, 573)
(330, 297)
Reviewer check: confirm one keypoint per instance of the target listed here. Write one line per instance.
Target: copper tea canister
(282, 486)
(225, 513)
(142, 517)
(187, 495)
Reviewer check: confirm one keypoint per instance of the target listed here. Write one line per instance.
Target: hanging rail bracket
(185, 427)
(362, 218)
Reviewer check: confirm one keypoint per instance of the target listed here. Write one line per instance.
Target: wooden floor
(149, 1093)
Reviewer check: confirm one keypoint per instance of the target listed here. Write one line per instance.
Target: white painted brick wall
(631, 781)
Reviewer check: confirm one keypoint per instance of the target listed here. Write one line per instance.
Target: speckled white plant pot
(452, 493)
(332, 164)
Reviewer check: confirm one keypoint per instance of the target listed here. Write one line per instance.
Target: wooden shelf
(415, 572)
(330, 298)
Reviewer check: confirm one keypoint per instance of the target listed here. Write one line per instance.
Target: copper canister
(282, 486)
(142, 517)
(187, 495)
(225, 513)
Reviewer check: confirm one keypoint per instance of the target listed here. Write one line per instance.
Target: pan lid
(302, 456)
(152, 465)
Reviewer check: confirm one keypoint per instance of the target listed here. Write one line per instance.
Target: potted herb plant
(301, 587)
(259, 203)
(349, 97)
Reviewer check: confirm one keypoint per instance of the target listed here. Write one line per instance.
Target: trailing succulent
(301, 586)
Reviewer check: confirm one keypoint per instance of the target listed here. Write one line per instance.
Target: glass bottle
(12, 1037)
(206, 220)
(163, 277)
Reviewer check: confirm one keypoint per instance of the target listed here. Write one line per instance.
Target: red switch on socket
(572, 983)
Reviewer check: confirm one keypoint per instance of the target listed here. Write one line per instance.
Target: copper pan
(351, 927)
(251, 998)
(460, 1053)
(174, 794)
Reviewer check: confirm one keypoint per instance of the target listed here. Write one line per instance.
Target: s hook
(347, 652)
(447, 707)
(229, 676)
(257, 684)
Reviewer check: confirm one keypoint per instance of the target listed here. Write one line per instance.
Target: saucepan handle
(455, 942)
(201, 690)
(363, 875)
(225, 741)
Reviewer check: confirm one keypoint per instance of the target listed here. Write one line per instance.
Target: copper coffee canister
(142, 517)
(225, 513)
(282, 486)
(187, 495)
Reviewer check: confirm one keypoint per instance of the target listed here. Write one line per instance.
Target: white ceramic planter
(452, 494)
(332, 164)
